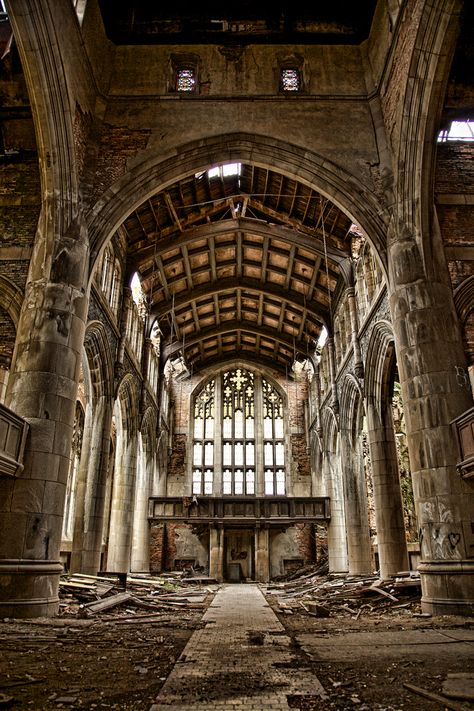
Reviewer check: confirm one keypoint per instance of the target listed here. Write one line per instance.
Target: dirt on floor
(120, 659)
(375, 680)
(116, 662)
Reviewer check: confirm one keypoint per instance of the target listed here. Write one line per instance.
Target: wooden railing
(464, 431)
(239, 509)
(13, 431)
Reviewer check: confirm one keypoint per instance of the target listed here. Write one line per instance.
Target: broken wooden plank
(459, 686)
(383, 592)
(447, 703)
(91, 608)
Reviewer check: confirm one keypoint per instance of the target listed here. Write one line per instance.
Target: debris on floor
(88, 595)
(318, 593)
(109, 648)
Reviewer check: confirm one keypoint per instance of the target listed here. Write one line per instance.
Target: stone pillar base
(29, 588)
(447, 587)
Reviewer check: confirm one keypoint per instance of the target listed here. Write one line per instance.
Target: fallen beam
(107, 603)
(447, 703)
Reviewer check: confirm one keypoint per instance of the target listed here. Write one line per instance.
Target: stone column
(140, 556)
(356, 513)
(435, 389)
(262, 555)
(351, 300)
(42, 388)
(332, 374)
(216, 552)
(123, 497)
(391, 539)
(337, 534)
(92, 482)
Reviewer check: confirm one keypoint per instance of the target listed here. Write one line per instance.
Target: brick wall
(7, 338)
(300, 454)
(110, 150)
(177, 458)
(306, 540)
(157, 543)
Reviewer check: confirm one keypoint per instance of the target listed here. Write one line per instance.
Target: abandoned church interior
(236, 292)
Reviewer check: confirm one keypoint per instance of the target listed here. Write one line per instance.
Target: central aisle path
(241, 659)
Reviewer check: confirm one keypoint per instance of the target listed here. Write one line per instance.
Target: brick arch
(464, 304)
(312, 169)
(11, 299)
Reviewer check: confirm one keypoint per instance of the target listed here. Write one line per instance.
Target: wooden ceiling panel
(264, 270)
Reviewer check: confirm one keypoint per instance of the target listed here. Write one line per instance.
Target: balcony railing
(464, 430)
(269, 509)
(13, 431)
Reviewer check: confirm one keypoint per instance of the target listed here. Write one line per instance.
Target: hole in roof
(136, 287)
(457, 131)
(224, 171)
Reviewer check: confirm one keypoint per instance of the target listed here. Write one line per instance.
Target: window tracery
(290, 79)
(251, 419)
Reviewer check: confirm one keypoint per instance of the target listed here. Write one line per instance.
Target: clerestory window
(240, 451)
(186, 79)
(290, 79)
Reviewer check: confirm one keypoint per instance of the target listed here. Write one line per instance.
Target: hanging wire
(323, 207)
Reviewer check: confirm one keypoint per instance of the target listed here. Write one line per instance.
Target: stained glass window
(185, 80)
(290, 79)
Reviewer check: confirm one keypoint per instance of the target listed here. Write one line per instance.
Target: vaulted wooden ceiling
(246, 263)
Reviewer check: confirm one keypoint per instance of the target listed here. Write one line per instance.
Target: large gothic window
(240, 451)
(238, 433)
(203, 450)
(274, 446)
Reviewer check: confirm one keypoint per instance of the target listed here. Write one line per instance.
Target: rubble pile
(85, 596)
(314, 591)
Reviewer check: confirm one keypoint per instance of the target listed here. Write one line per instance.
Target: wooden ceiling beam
(239, 254)
(212, 258)
(242, 225)
(271, 334)
(172, 211)
(187, 266)
(161, 271)
(231, 284)
(289, 269)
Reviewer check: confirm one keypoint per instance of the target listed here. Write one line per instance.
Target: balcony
(269, 510)
(464, 431)
(13, 431)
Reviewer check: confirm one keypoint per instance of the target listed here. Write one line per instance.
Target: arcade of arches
(236, 293)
